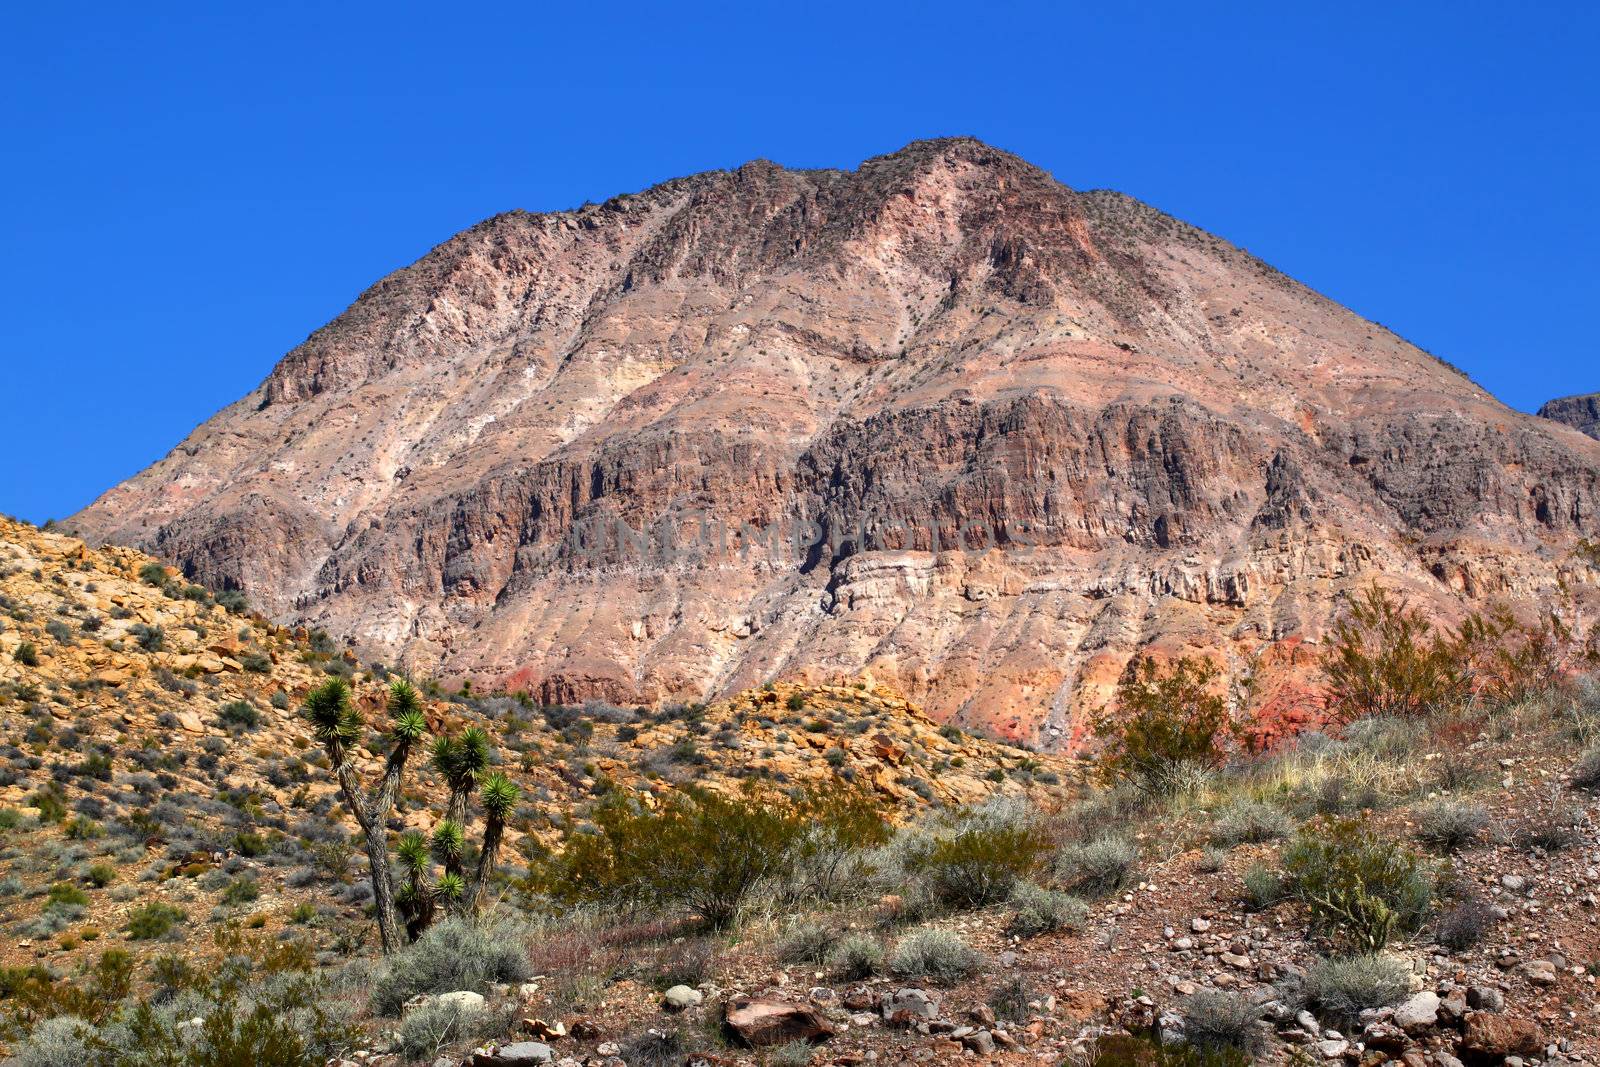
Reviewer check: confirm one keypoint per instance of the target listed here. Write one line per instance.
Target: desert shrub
(429, 1027)
(60, 631)
(656, 1048)
(1216, 1019)
(807, 941)
(150, 638)
(1010, 999)
(241, 890)
(856, 957)
(153, 574)
(1386, 659)
(1358, 884)
(791, 1054)
(1550, 829)
(980, 859)
(833, 859)
(258, 663)
(1166, 726)
(1036, 910)
(102, 875)
(453, 954)
(689, 962)
(1586, 772)
(153, 920)
(61, 1041)
(239, 715)
(233, 601)
(1263, 887)
(1462, 925)
(1250, 822)
(1133, 1050)
(697, 850)
(1099, 867)
(936, 955)
(1345, 987)
(1450, 825)
(26, 654)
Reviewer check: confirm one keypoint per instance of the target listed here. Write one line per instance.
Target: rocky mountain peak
(939, 418)
(1582, 413)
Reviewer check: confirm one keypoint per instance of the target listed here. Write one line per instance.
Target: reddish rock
(761, 1022)
(1489, 1035)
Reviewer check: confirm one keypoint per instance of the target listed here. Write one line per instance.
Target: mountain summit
(941, 420)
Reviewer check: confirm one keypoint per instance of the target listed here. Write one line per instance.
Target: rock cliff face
(1582, 413)
(941, 420)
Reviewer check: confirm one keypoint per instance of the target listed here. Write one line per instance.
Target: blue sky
(188, 193)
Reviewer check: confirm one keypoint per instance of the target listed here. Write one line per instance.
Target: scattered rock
(1490, 1034)
(681, 998)
(760, 1023)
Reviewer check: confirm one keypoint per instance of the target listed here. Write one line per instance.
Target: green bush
(239, 715)
(1358, 884)
(241, 890)
(1250, 822)
(1263, 887)
(1449, 825)
(807, 941)
(453, 954)
(1343, 988)
(856, 957)
(697, 850)
(153, 920)
(102, 875)
(1386, 659)
(428, 1028)
(983, 859)
(1132, 1050)
(1214, 1019)
(67, 893)
(1100, 867)
(26, 654)
(936, 955)
(1167, 726)
(1036, 910)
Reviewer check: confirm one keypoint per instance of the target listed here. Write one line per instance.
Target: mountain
(1582, 413)
(796, 391)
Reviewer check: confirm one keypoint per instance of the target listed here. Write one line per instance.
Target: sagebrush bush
(1463, 925)
(451, 955)
(936, 955)
(58, 1042)
(1100, 867)
(807, 941)
(1358, 884)
(1450, 825)
(1344, 987)
(1263, 887)
(153, 920)
(1586, 772)
(1250, 822)
(856, 957)
(1036, 910)
(1168, 725)
(428, 1028)
(1217, 1019)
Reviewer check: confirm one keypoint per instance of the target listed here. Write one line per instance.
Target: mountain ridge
(1203, 454)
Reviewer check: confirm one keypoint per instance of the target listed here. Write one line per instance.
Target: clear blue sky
(187, 194)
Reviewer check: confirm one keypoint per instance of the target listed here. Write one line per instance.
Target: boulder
(1491, 1035)
(463, 999)
(907, 1007)
(760, 1023)
(681, 998)
(1419, 1012)
(515, 1054)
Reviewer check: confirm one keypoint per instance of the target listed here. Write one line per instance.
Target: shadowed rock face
(1582, 413)
(940, 419)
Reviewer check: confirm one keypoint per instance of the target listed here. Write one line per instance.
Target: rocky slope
(145, 727)
(1582, 413)
(940, 421)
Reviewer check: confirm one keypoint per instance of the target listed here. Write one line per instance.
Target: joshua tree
(419, 898)
(461, 760)
(338, 725)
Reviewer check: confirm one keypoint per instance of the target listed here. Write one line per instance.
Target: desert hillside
(941, 421)
(797, 875)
